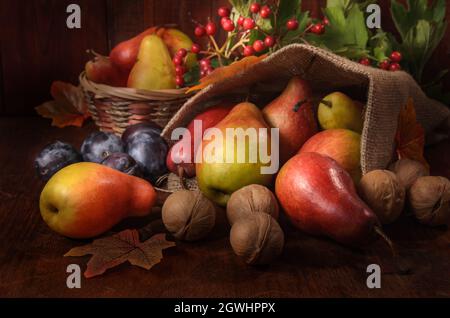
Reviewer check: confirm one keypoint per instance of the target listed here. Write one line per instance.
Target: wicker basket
(115, 108)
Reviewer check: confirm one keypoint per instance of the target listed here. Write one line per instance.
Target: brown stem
(180, 171)
(402, 268)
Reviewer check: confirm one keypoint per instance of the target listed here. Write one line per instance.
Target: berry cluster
(319, 28)
(390, 64)
(180, 69)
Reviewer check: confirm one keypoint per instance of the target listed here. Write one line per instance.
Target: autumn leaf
(224, 72)
(410, 137)
(68, 108)
(111, 251)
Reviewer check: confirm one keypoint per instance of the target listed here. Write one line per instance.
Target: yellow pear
(154, 68)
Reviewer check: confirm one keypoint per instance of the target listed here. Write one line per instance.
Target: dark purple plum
(99, 145)
(54, 157)
(124, 163)
(150, 151)
(134, 130)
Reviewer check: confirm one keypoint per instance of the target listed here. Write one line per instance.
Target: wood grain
(32, 265)
(38, 48)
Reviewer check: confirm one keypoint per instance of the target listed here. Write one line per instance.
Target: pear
(86, 199)
(228, 172)
(340, 111)
(296, 124)
(176, 40)
(154, 69)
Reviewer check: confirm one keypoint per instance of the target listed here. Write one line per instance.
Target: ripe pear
(86, 199)
(124, 54)
(319, 198)
(154, 68)
(340, 111)
(219, 178)
(296, 125)
(342, 145)
(176, 40)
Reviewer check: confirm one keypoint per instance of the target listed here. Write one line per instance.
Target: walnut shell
(429, 199)
(408, 171)
(258, 238)
(188, 215)
(383, 193)
(251, 199)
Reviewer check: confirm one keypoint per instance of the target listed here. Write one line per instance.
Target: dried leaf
(111, 251)
(225, 72)
(68, 108)
(410, 137)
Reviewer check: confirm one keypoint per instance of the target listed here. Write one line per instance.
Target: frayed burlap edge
(387, 92)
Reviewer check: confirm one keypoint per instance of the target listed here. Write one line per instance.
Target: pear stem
(401, 269)
(326, 103)
(181, 176)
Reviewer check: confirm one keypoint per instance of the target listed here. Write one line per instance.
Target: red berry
(228, 25)
(196, 48)
(318, 28)
(249, 24)
(209, 71)
(292, 25)
(202, 73)
(205, 63)
(325, 21)
(182, 52)
(240, 21)
(395, 67)
(199, 31)
(178, 60)
(265, 12)
(364, 61)
(396, 56)
(248, 50)
(180, 81)
(255, 7)
(180, 70)
(384, 65)
(211, 28)
(258, 46)
(269, 41)
(223, 12)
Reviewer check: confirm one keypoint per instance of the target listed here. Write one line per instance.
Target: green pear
(154, 68)
(219, 178)
(338, 111)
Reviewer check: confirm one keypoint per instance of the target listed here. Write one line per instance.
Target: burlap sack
(385, 92)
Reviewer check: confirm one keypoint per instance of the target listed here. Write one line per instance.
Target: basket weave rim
(105, 91)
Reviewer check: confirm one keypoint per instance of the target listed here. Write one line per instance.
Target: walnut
(383, 193)
(429, 199)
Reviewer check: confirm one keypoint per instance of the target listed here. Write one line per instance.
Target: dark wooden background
(36, 47)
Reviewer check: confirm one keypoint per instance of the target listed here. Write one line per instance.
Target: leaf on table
(410, 137)
(111, 251)
(68, 108)
(225, 72)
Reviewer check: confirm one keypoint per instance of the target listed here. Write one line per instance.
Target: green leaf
(287, 10)
(356, 25)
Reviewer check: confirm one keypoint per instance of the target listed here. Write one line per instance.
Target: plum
(150, 151)
(54, 157)
(124, 163)
(134, 130)
(99, 145)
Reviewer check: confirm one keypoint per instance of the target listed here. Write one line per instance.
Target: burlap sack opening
(385, 94)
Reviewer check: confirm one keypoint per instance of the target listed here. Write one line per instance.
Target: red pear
(209, 118)
(293, 115)
(124, 54)
(319, 198)
(102, 71)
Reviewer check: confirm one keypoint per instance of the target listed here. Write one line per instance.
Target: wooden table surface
(32, 262)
